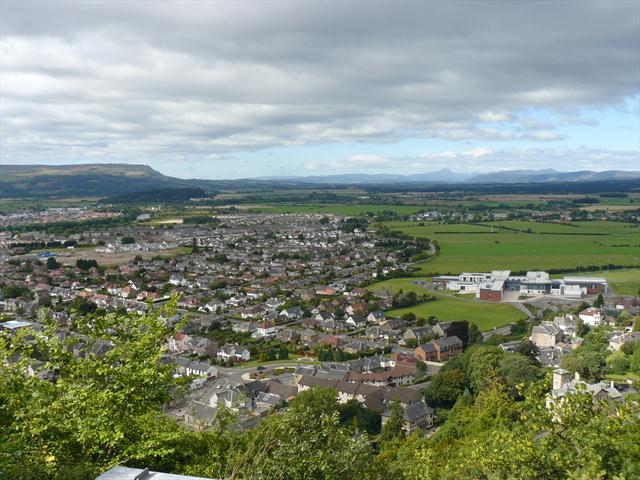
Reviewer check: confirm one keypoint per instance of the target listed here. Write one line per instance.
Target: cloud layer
(197, 81)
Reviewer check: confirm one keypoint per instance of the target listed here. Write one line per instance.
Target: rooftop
(126, 473)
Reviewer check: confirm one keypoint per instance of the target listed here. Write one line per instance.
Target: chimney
(612, 384)
(577, 376)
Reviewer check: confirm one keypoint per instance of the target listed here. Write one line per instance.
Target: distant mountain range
(106, 180)
(448, 176)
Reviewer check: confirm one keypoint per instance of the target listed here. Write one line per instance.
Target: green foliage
(15, 291)
(495, 437)
(589, 364)
(445, 388)
(83, 306)
(201, 220)
(350, 224)
(107, 409)
(52, 263)
(354, 413)
(475, 336)
(392, 430)
(634, 361)
(617, 363)
(307, 442)
(599, 301)
(86, 264)
(516, 369)
(102, 410)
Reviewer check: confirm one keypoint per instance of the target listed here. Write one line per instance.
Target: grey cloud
(138, 79)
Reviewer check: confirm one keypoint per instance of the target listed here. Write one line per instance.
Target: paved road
(234, 375)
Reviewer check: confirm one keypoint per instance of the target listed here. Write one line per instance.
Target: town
(271, 305)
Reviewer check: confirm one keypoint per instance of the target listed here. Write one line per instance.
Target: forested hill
(81, 180)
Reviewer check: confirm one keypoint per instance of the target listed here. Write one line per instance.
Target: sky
(203, 89)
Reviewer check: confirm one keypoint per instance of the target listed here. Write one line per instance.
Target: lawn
(486, 247)
(622, 282)
(337, 209)
(484, 314)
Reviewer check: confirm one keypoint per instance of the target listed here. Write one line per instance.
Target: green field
(336, 209)
(485, 247)
(484, 314)
(623, 282)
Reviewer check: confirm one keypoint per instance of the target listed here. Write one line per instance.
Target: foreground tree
(307, 442)
(88, 412)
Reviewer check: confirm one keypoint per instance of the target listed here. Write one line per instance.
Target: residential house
(427, 352)
(231, 398)
(592, 316)
(376, 317)
(447, 347)
(291, 313)
(233, 352)
(417, 334)
(616, 342)
(356, 321)
(546, 334)
(416, 416)
(200, 416)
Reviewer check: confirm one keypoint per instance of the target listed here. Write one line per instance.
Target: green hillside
(37, 181)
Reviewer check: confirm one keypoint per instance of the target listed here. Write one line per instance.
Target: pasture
(522, 245)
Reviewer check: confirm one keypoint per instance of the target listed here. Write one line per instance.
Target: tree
(411, 342)
(283, 354)
(306, 442)
(634, 361)
(52, 264)
(587, 363)
(599, 303)
(421, 368)
(445, 388)
(475, 336)
(528, 349)
(518, 369)
(617, 363)
(83, 306)
(365, 419)
(14, 291)
(86, 263)
(409, 316)
(393, 428)
(101, 411)
(194, 245)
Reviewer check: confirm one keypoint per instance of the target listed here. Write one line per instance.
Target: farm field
(486, 247)
(485, 315)
(337, 209)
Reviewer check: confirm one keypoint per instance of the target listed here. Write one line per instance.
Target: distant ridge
(115, 179)
(81, 180)
(448, 176)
